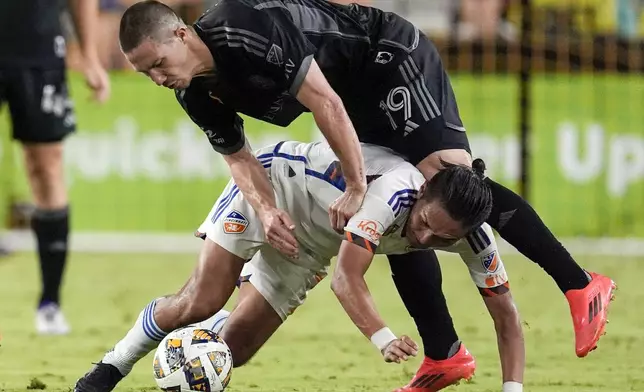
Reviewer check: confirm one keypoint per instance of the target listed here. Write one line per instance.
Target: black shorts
(39, 103)
(407, 103)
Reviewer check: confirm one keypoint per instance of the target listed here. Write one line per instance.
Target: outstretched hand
(400, 349)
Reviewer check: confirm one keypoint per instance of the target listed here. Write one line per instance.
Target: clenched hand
(344, 207)
(97, 80)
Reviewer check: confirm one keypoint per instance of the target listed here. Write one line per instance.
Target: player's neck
(205, 64)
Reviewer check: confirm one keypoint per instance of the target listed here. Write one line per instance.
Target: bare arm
(351, 289)
(486, 269)
(334, 123)
(251, 178)
(509, 334)
(331, 117)
(85, 16)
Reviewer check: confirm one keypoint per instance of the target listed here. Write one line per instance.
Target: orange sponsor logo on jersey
(370, 228)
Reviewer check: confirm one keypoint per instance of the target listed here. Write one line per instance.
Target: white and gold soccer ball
(192, 359)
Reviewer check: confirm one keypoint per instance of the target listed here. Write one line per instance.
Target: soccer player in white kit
(306, 180)
(399, 215)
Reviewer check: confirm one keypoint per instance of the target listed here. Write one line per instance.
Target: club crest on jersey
(274, 55)
(490, 261)
(235, 223)
(384, 57)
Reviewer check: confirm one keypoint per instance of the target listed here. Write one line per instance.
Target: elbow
(334, 103)
(330, 106)
(508, 325)
(339, 285)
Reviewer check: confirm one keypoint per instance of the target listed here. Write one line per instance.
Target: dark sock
(417, 276)
(52, 229)
(519, 224)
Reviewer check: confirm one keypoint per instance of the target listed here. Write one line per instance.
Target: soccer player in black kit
(34, 87)
(274, 60)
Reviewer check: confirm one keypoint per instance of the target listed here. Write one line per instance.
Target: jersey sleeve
(483, 260)
(386, 198)
(223, 127)
(370, 222)
(259, 41)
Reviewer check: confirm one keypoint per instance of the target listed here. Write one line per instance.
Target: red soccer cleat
(589, 309)
(436, 375)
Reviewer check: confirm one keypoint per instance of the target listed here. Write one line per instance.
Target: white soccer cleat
(51, 321)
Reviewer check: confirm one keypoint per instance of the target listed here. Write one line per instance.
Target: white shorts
(233, 224)
(283, 284)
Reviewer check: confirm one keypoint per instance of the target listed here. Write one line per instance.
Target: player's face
(429, 225)
(166, 63)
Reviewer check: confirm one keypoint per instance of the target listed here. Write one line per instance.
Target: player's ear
(422, 190)
(181, 33)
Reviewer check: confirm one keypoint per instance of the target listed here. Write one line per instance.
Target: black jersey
(263, 49)
(31, 34)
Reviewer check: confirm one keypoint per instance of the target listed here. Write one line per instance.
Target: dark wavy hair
(463, 193)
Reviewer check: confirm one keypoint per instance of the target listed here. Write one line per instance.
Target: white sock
(512, 386)
(144, 337)
(216, 322)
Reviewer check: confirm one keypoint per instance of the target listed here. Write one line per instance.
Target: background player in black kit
(250, 57)
(33, 85)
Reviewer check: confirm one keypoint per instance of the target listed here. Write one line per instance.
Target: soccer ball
(192, 359)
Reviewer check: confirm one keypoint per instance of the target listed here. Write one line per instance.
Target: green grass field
(318, 349)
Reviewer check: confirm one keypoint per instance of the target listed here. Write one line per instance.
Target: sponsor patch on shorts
(235, 223)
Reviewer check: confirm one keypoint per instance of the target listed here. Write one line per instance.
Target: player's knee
(44, 158)
(39, 170)
(44, 166)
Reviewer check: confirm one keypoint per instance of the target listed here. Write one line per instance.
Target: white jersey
(307, 179)
(392, 187)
